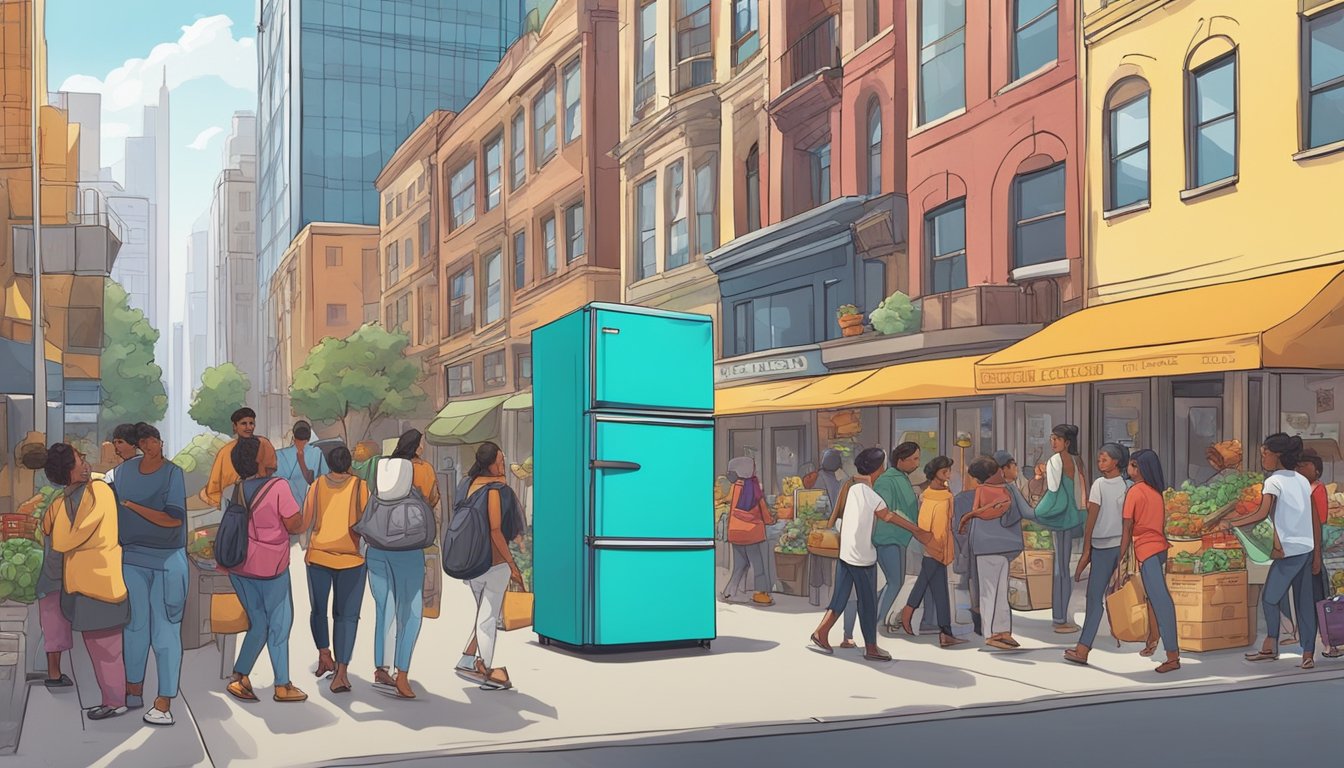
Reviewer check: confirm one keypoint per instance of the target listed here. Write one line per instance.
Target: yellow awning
(901, 383)
(1291, 320)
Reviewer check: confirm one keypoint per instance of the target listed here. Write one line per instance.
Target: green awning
(519, 402)
(463, 422)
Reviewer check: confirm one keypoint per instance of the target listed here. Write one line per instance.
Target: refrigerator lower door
(652, 478)
(652, 595)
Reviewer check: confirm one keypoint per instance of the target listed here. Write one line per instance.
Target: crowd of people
(1119, 516)
(116, 570)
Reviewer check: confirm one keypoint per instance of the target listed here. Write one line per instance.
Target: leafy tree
(197, 459)
(358, 381)
(223, 390)
(132, 382)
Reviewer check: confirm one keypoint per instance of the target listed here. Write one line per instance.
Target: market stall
(1030, 574)
(20, 631)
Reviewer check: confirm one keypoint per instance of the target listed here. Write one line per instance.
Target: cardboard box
(792, 572)
(1200, 645)
(1206, 613)
(1032, 562)
(1205, 630)
(1195, 589)
(1030, 594)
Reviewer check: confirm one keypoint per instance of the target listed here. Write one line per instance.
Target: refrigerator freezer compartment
(653, 595)
(647, 362)
(648, 478)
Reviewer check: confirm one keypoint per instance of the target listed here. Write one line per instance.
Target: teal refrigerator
(623, 484)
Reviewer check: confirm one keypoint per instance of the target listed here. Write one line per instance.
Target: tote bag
(1127, 606)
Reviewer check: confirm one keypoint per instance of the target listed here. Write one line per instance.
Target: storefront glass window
(1199, 423)
(788, 444)
(847, 431)
(1037, 420)
(1308, 409)
(1122, 419)
(917, 424)
(783, 320)
(972, 437)
(744, 442)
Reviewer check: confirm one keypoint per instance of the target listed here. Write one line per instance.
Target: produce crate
(1213, 610)
(15, 526)
(202, 582)
(1032, 562)
(792, 573)
(1032, 593)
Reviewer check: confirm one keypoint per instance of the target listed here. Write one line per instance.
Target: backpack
(233, 534)
(466, 547)
(397, 525)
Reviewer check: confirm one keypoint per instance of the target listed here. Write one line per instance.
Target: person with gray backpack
(398, 524)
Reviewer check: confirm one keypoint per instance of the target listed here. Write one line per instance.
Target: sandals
(849, 644)
(64, 680)
(950, 641)
(491, 683)
(1308, 664)
(339, 688)
(1171, 665)
(1071, 655)
(1148, 650)
(241, 691)
(1263, 656)
(877, 655)
(1333, 653)
(1000, 644)
(820, 646)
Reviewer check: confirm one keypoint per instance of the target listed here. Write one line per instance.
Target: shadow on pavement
(720, 646)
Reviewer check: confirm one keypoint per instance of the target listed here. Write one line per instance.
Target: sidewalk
(759, 674)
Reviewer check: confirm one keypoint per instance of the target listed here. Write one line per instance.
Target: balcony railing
(815, 51)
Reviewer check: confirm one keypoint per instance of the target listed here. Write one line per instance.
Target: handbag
(516, 612)
(227, 616)
(1127, 606)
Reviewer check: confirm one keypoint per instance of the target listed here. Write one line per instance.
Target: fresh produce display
(793, 540)
(1036, 537)
(1337, 582)
(202, 543)
(20, 564)
(1213, 560)
(37, 505)
(522, 556)
(1188, 506)
(1335, 511)
(722, 493)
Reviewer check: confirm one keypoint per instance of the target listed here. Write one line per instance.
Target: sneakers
(103, 713)
(762, 598)
(158, 717)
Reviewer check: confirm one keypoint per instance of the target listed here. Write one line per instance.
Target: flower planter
(851, 330)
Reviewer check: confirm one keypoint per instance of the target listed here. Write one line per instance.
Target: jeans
(397, 581)
(1153, 572)
(862, 580)
(270, 615)
(891, 559)
(488, 589)
(158, 598)
(933, 581)
(1104, 563)
(1063, 577)
(1295, 573)
(348, 585)
(991, 571)
(748, 556)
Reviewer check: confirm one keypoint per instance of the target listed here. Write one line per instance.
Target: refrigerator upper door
(649, 362)
(652, 478)
(653, 596)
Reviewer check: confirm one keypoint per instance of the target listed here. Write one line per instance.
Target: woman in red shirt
(1145, 522)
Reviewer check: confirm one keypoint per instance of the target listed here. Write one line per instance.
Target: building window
(461, 304)
(424, 236)
(695, 50)
(519, 259)
(1035, 35)
(1127, 145)
(645, 196)
(678, 223)
(548, 241)
(833, 296)
(746, 30)
(874, 284)
(494, 287)
(1038, 228)
(1323, 77)
(244, 201)
(460, 381)
(492, 369)
(754, 188)
(785, 319)
(706, 230)
(821, 174)
(494, 172)
(393, 264)
(429, 299)
(646, 86)
(407, 254)
(575, 247)
(387, 209)
(523, 369)
(398, 313)
(543, 125)
(336, 314)
(334, 256)
(874, 21)
(945, 235)
(462, 189)
(874, 148)
(1213, 122)
(942, 58)
(573, 101)
(518, 139)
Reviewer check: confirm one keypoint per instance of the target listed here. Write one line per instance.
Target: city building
(527, 224)
(195, 353)
(340, 86)
(235, 316)
(1214, 278)
(320, 291)
(144, 272)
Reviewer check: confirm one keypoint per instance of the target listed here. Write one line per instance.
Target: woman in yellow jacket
(82, 525)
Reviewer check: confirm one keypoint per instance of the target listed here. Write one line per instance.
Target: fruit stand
(20, 564)
(806, 509)
(1030, 574)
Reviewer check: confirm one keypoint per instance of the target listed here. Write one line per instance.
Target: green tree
(197, 459)
(358, 381)
(132, 382)
(223, 390)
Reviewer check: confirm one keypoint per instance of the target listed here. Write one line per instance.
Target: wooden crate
(792, 573)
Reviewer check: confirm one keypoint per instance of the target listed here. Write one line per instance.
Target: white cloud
(204, 138)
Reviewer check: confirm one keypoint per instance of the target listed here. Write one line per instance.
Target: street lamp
(39, 342)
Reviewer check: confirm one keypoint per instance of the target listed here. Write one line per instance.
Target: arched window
(874, 148)
(1211, 121)
(754, 188)
(1126, 140)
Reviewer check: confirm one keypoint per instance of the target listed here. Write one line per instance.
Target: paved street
(758, 677)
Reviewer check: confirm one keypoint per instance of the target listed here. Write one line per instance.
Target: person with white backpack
(398, 525)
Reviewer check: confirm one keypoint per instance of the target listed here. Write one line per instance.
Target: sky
(120, 48)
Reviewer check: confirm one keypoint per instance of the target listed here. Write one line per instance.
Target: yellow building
(1214, 137)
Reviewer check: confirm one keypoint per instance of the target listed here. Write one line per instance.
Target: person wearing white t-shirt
(1297, 533)
(859, 505)
(1101, 541)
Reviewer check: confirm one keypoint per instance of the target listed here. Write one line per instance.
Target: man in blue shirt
(300, 464)
(151, 521)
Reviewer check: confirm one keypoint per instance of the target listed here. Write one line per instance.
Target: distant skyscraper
(146, 176)
(233, 256)
(339, 88)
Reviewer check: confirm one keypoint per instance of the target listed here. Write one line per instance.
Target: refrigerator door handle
(625, 466)
(603, 542)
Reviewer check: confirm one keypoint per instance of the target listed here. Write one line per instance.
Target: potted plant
(897, 314)
(850, 319)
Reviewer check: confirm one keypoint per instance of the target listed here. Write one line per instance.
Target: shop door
(1199, 422)
(972, 436)
(787, 451)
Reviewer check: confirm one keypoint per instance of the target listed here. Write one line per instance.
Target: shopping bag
(1127, 608)
(517, 611)
(227, 616)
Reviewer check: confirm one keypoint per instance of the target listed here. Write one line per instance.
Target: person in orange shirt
(935, 517)
(222, 474)
(1145, 529)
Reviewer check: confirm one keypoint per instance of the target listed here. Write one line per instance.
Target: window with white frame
(695, 49)
(1323, 78)
(548, 242)
(461, 302)
(575, 244)
(746, 30)
(1035, 35)
(573, 102)
(1213, 122)
(942, 58)
(493, 267)
(646, 195)
(678, 224)
(494, 172)
(543, 125)
(1127, 147)
(874, 148)
(462, 191)
(945, 241)
(1038, 217)
(646, 33)
(706, 208)
(518, 149)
